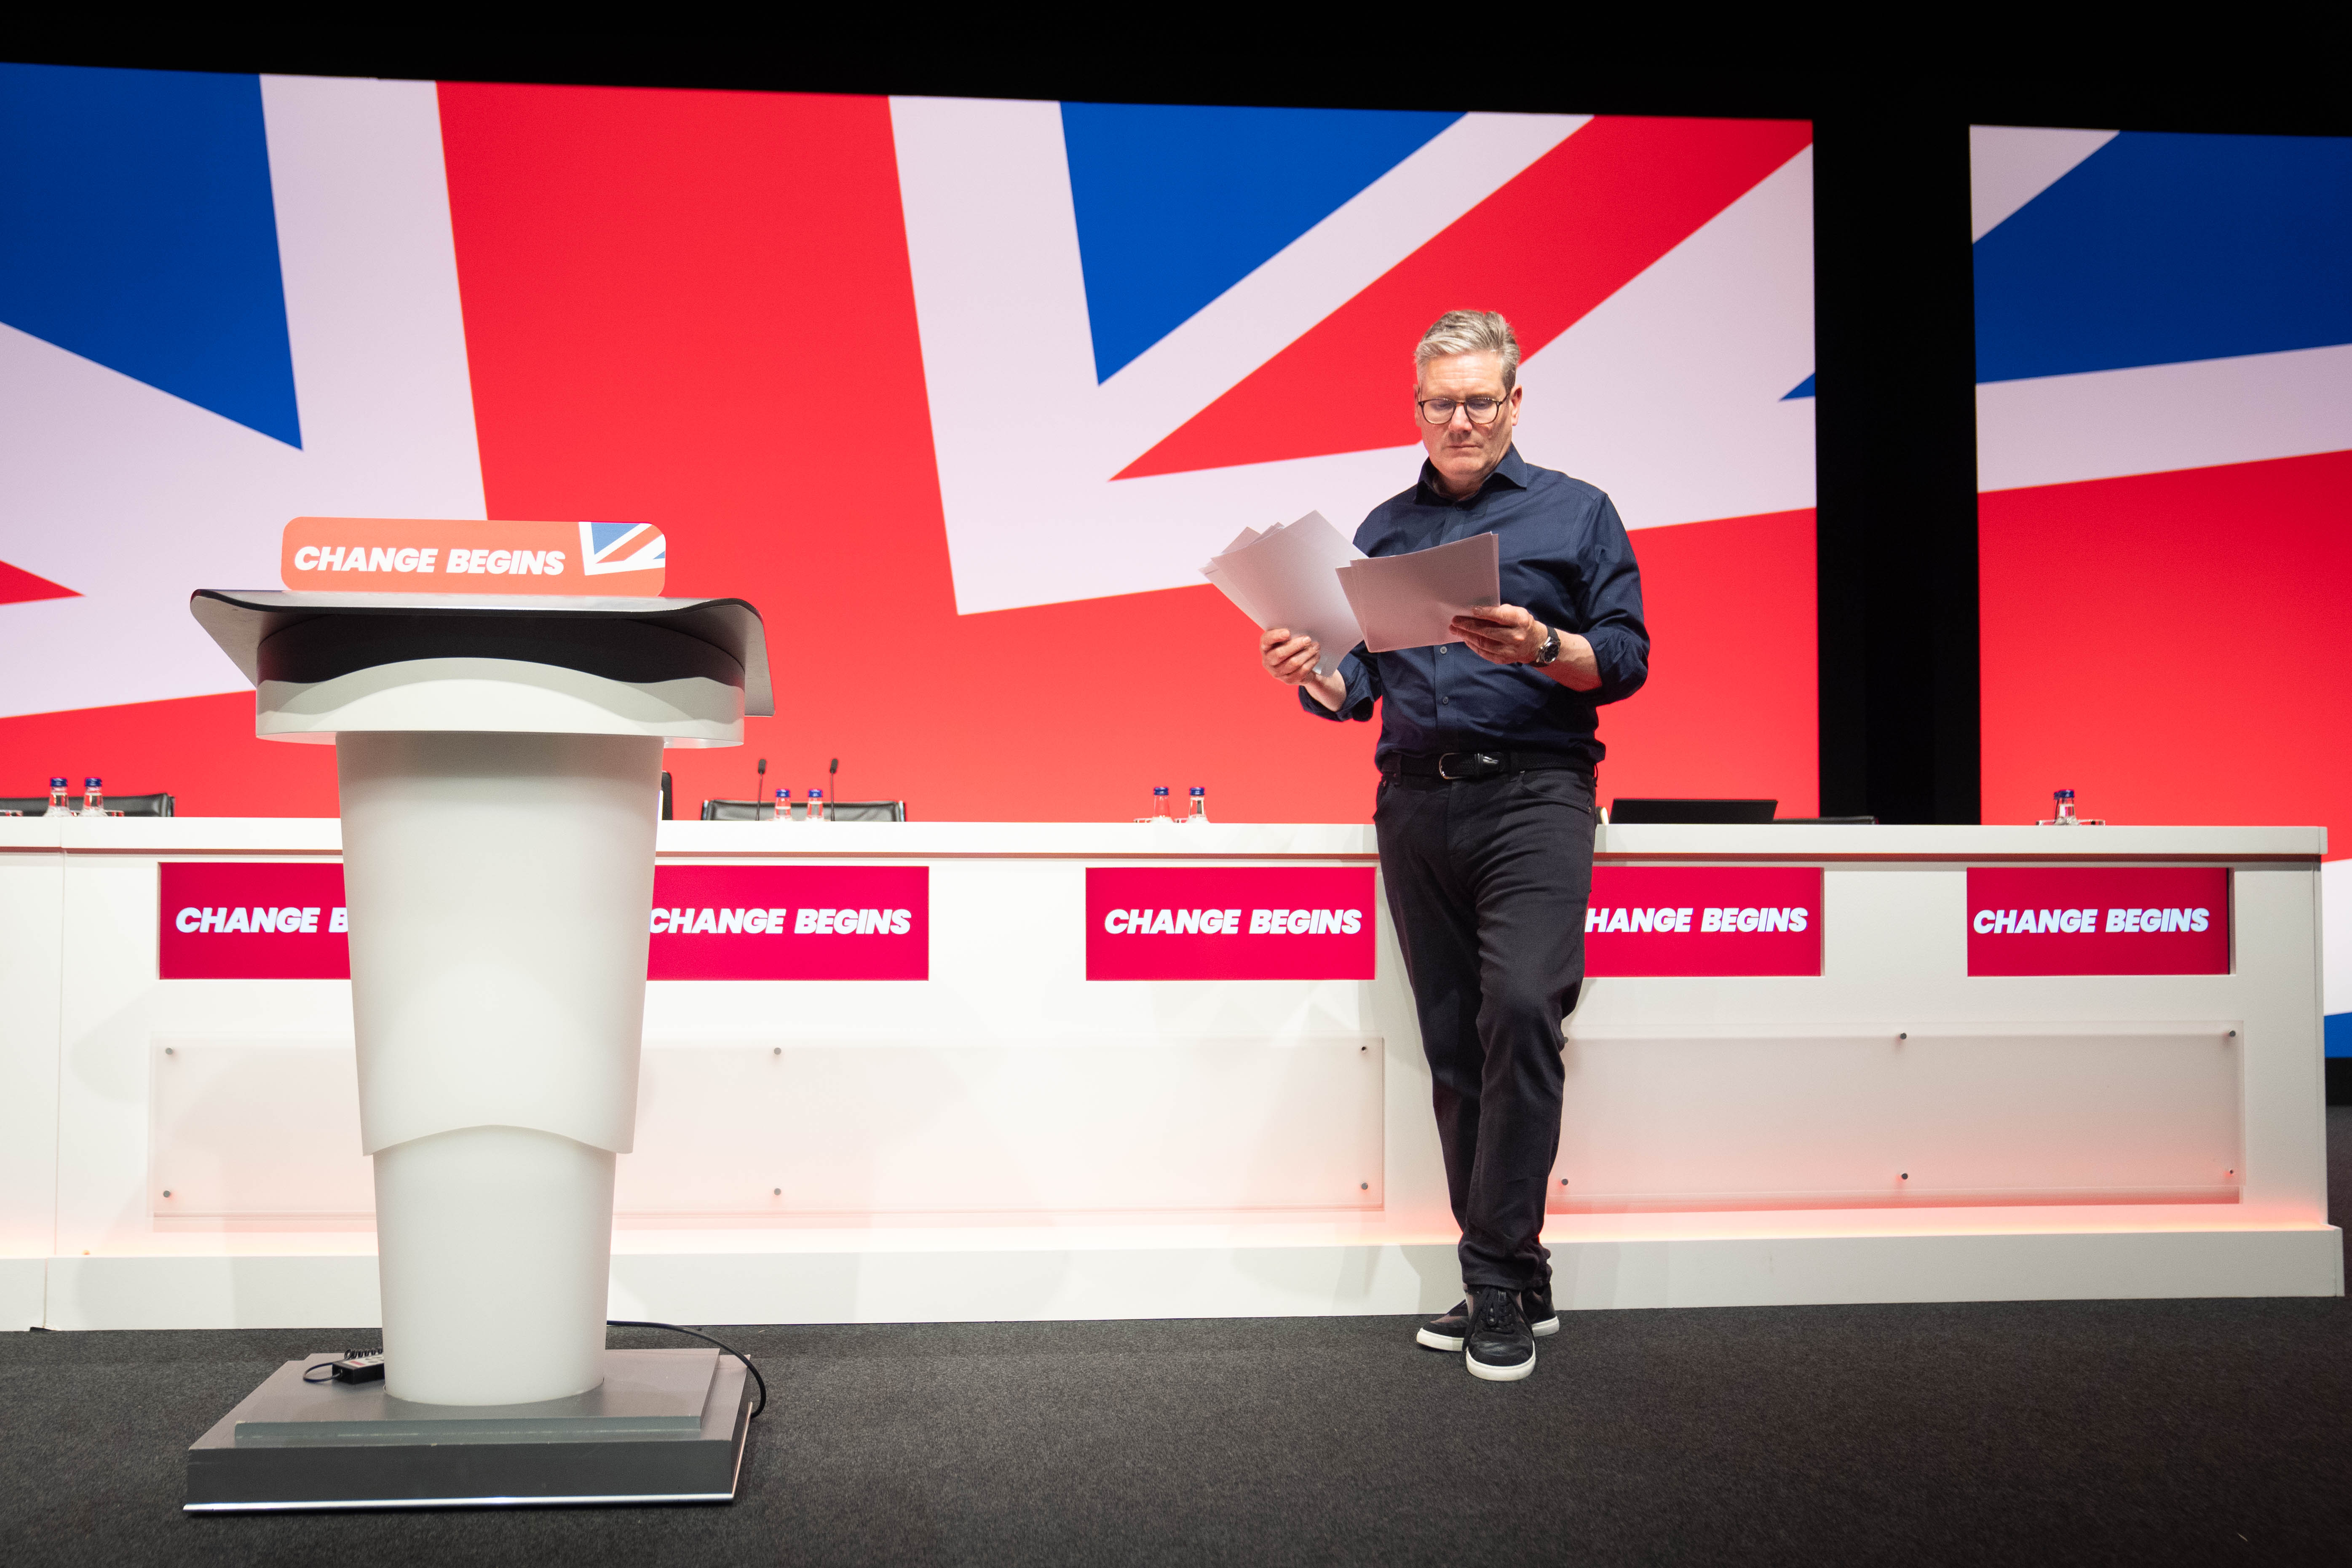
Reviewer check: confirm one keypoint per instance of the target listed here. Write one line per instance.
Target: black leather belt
(1453, 765)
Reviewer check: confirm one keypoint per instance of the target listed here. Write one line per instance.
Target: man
(1486, 807)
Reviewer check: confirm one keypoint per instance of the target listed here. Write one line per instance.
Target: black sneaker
(1498, 1348)
(1536, 1302)
(1446, 1332)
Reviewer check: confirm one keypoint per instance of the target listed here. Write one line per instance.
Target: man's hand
(1291, 660)
(1505, 634)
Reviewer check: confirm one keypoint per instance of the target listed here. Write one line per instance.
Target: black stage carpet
(2097, 1432)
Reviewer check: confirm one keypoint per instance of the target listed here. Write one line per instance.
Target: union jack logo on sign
(621, 547)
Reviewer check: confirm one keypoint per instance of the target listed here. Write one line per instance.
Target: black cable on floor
(697, 1333)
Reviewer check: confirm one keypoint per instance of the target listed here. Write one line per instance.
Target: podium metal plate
(667, 1425)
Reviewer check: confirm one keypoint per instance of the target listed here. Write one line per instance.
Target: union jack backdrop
(959, 393)
(2164, 447)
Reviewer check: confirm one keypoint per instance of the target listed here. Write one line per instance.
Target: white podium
(498, 762)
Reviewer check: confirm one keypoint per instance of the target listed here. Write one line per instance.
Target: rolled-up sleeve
(1607, 601)
(1363, 674)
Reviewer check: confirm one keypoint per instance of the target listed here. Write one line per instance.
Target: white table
(1007, 1139)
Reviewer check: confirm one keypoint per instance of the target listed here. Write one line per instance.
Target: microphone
(831, 788)
(762, 787)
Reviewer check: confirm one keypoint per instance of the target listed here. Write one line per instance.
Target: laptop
(1657, 809)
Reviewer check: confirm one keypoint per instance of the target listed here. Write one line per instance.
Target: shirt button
(1445, 700)
(1442, 647)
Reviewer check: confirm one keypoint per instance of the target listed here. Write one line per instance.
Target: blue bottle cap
(92, 784)
(1196, 789)
(57, 783)
(2062, 795)
(783, 795)
(1159, 789)
(816, 794)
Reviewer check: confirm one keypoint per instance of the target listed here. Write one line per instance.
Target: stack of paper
(1288, 576)
(1304, 577)
(1409, 600)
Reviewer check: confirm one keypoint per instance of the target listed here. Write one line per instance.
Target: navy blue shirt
(1565, 560)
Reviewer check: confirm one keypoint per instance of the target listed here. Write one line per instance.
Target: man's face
(1463, 451)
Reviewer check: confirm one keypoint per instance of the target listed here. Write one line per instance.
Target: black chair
(865, 811)
(128, 805)
(835, 811)
(140, 805)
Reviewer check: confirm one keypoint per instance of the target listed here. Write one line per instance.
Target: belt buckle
(1485, 762)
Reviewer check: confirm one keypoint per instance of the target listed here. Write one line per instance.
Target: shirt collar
(1512, 470)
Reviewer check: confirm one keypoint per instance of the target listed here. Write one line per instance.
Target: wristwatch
(1550, 649)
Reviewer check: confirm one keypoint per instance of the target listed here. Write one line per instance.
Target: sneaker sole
(1549, 1326)
(1498, 1373)
(1437, 1342)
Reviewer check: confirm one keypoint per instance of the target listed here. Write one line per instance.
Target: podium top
(274, 636)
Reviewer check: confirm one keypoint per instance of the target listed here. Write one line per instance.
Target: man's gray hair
(1469, 332)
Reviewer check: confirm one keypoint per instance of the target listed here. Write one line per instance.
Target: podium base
(667, 1425)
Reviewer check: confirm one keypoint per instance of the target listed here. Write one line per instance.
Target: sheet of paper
(1288, 576)
(1408, 601)
(1241, 603)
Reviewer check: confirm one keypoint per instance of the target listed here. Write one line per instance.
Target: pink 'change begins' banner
(1230, 923)
(2093, 919)
(251, 919)
(287, 921)
(1704, 919)
(791, 923)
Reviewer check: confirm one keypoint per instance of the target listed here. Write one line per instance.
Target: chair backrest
(157, 804)
(128, 805)
(837, 811)
(867, 811)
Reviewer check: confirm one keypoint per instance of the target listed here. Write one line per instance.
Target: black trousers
(1487, 880)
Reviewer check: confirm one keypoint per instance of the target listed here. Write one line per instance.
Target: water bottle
(783, 809)
(1161, 811)
(94, 800)
(59, 805)
(1200, 805)
(2063, 817)
(816, 805)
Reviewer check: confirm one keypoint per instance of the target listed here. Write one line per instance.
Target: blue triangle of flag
(2165, 246)
(1175, 204)
(140, 232)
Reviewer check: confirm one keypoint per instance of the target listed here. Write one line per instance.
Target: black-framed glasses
(1483, 410)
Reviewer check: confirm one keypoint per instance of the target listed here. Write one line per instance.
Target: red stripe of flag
(18, 586)
(1578, 225)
